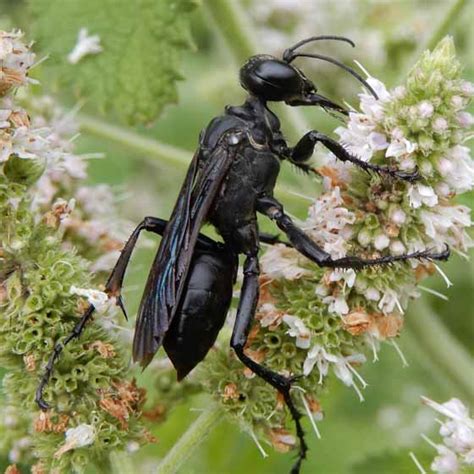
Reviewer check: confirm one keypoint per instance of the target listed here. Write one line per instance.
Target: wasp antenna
(289, 52)
(337, 63)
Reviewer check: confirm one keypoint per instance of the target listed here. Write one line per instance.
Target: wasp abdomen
(202, 311)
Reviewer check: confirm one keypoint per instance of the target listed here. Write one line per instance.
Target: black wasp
(230, 179)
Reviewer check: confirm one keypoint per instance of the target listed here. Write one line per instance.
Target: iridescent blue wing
(167, 277)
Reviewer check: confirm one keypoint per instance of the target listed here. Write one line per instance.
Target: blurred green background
(389, 34)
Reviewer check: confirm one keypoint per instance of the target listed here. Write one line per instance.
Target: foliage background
(354, 435)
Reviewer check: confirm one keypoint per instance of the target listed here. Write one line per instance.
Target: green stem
(442, 348)
(452, 13)
(237, 29)
(191, 439)
(231, 21)
(146, 146)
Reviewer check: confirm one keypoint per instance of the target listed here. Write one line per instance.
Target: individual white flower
(344, 371)
(96, 298)
(399, 92)
(360, 138)
(341, 364)
(440, 124)
(425, 109)
(132, 447)
(364, 237)
(467, 88)
(372, 107)
(347, 275)
(372, 294)
(420, 194)
(298, 330)
(85, 45)
(78, 437)
(458, 102)
(389, 301)
(280, 261)
(74, 166)
(316, 356)
(446, 462)
(397, 247)
(465, 119)
(381, 241)
(398, 216)
(4, 115)
(336, 304)
(406, 163)
(457, 168)
(399, 145)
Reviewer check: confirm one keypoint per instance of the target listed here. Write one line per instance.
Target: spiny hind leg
(245, 316)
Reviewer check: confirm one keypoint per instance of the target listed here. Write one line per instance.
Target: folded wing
(170, 268)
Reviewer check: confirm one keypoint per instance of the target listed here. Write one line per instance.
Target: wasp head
(273, 79)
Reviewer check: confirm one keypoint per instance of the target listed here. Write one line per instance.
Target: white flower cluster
(329, 223)
(15, 61)
(47, 141)
(361, 136)
(457, 431)
(448, 170)
(371, 216)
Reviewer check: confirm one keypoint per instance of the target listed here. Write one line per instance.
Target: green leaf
(143, 40)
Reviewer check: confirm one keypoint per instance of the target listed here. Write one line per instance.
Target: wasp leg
(58, 348)
(114, 283)
(151, 224)
(305, 147)
(245, 315)
(112, 288)
(271, 239)
(301, 242)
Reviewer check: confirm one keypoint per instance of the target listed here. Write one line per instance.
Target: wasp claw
(294, 378)
(410, 177)
(119, 303)
(443, 255)
(41, 403)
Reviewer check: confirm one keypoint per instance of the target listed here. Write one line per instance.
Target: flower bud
(24, 170)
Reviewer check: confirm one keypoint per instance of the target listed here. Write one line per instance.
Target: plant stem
(237, 29)
(442, 348)
(452, 13)
(191, 439)
(147, 146)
